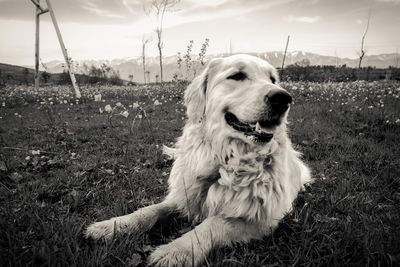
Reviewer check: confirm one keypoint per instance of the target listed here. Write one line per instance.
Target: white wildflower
(125, 114)
(135, 105)
(97, 98)
(35, 152)
(108, 108)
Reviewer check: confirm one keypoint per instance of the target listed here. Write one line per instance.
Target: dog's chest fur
(244, 183)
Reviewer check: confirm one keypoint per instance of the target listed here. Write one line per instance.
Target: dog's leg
(194, 246)
(137, 222)
(305, 175)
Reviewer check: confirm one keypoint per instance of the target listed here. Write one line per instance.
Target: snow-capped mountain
(133, 66)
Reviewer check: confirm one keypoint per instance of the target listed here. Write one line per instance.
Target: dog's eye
(238, 76)
(273, 80)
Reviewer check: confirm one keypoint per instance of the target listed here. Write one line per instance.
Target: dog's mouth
(254, 130)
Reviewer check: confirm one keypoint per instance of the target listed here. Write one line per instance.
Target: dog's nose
(279, 99)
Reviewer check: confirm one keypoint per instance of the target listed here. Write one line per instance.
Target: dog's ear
(195, 97)
(195, 94)
(275, 76)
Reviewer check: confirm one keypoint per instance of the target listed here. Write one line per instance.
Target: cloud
(131, 11)
(211, 10)
(76, 11)
(302, 19)
(389, 1)
(94, 9)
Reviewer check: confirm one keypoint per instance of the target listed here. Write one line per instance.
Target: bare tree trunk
(144, 42)
(64, 50)
(144, 69)
(284, 55)
(159, 7)
(144, 62)
(159, 45)
(37, 78)
(39, 11)
(362, 52)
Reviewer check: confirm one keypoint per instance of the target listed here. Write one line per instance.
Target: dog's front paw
(101, 230)
(172, 255)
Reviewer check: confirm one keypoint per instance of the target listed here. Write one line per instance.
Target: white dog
(235, 172)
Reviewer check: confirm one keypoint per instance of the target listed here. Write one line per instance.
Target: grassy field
(64, 165)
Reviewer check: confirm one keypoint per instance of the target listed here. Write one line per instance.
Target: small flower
(35, 152)
(101, 110)
(108, 171)
(108, 108)
(156, 103)
(135, 105)
(118, 104)
(125, 114)
(97, 98)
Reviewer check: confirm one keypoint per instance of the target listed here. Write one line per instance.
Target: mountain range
(133, 66)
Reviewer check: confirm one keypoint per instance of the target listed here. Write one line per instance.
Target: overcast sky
(108, 29)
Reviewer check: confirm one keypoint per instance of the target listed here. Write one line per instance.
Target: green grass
(93, 166)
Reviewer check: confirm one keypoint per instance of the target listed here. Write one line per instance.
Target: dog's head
(239, 96)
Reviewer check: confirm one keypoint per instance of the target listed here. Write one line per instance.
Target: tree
(145, 40)
(158, 8)
(148, 75)
(45, 76)
(303, 63)
(362, 50)
(25, 74)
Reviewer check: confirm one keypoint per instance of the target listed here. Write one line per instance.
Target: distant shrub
(302, 72)
(92, 75)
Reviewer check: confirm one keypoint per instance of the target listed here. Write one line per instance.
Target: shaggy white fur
(234, 186)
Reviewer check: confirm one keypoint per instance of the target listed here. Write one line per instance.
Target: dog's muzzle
(278, 100)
